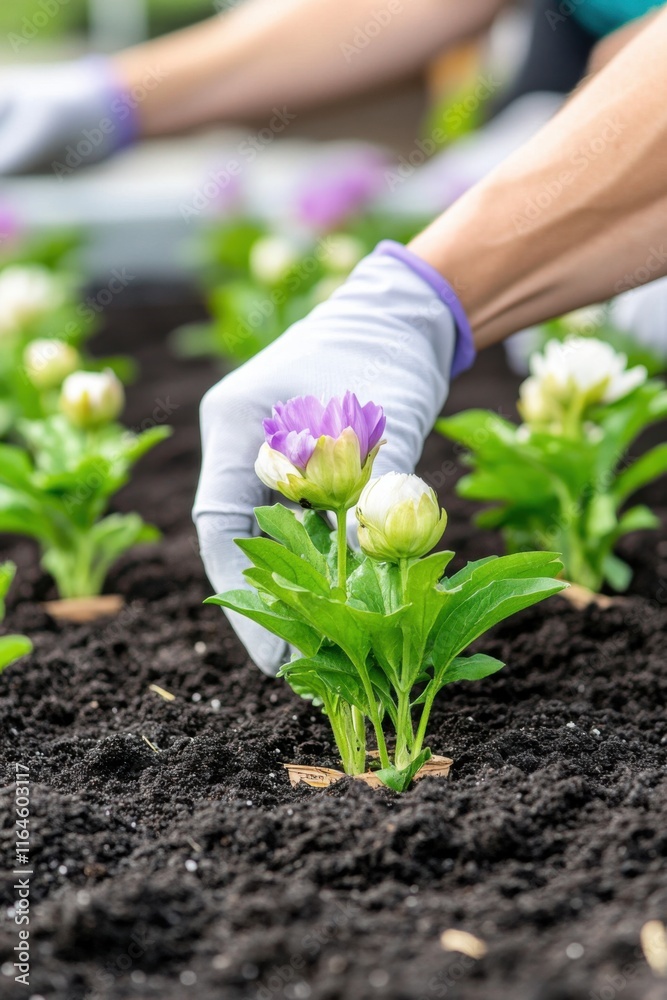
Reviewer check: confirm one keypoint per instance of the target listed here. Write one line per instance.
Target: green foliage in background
(12, 647)
(253, 296)
(25, 18)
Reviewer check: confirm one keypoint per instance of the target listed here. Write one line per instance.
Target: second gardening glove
(63, 116)
(394, 333)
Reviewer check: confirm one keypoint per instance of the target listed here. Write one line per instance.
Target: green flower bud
(399, 518)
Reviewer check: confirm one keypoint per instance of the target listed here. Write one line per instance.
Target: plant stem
(373, 713)
(359, 726)
(404, 732)
(423, 723)
(351, 744)
(341, 541)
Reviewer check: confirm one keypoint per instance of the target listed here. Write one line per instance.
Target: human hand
(62, 116)
(393, 333)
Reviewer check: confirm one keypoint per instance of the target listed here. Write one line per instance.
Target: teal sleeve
(601, 17)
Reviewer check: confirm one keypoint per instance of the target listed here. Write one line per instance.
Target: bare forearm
(291, 52)
(575, 216)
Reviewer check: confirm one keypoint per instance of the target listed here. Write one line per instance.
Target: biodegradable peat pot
(322, 777)
(81, 610)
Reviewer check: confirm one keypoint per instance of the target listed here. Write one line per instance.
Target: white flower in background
(27, 293)
(586, 320)
(271, 257)
(399, 517)
(49, 362)
(580, 372)
(91, 399)
(343, 252)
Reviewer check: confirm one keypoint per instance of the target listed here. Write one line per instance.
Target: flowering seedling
(561, 480)
(381, 632)
(12, 647)
(42, 332)
(56, 489)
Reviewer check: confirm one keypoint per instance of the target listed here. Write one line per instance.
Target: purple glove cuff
(464, 351)
(121, 107)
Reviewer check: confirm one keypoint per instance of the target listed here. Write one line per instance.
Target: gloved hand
(71, 114)
(393, 334)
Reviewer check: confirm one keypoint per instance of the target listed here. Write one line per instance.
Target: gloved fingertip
(267, 651)
(269, 654)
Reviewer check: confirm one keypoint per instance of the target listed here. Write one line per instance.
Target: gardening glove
(63, 116)
(394, 333)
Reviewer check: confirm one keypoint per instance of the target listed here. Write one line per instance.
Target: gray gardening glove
(60, 117)
(394, 333)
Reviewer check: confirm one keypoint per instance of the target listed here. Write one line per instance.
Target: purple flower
(321, 455)
(340, 188)
(296, 425)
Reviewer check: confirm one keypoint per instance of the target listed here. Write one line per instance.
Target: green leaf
(276, 620)
(331, 667)
(12, 647)
(517, 566)
(279, 561)
(616, 572)
(135, 446)
(471, 668)
(375, 586)
(193, 340)
(283, 525)
(16, 468)
(476, 428)
(476, 611)
(600, 517)
(650, 466)
(20, 515)
(639, 518)
(7, 574)
(399, 781)
(319, 532)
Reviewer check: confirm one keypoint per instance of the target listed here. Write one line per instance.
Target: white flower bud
(579, 372)
(49, 362)
(91, 399)
(26, 294)
(271, 258)
(399, 518)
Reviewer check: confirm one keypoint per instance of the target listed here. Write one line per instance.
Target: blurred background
(131, 209)
(256, 247)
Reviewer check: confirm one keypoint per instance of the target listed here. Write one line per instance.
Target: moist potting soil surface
(171, 856)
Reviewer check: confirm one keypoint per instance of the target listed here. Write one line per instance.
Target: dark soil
(171, 856)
